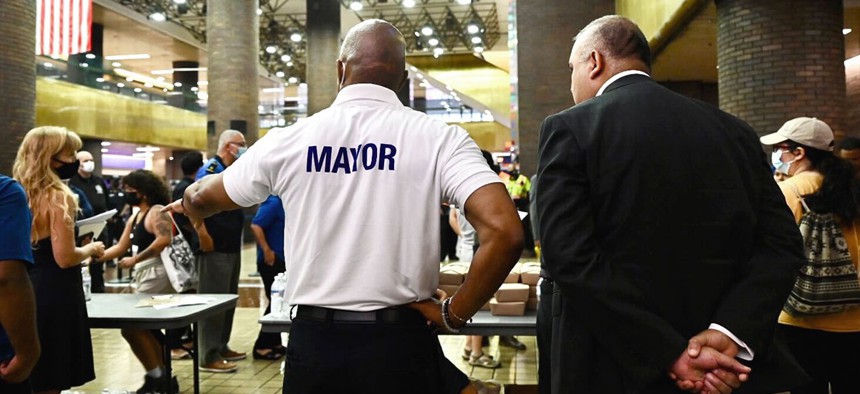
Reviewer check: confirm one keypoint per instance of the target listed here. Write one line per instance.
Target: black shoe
(511, 342)
(157, 385)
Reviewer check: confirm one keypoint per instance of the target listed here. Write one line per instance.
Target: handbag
(178, 261)
(828, 281)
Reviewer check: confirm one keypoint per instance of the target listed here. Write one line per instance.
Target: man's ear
(340, 74)
(596, 64)
(403, 80)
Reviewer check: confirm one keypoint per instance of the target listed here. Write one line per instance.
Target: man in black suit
(662, 275)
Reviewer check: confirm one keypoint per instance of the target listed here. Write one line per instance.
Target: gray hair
(615, 36)
(225, 136)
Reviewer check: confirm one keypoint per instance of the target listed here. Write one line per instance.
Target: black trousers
(15, 388)
(827, 357)
(334, 357)
(544, 336)
(269, 340)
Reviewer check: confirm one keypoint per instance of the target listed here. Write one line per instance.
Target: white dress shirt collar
(617, 77)
(366, 91)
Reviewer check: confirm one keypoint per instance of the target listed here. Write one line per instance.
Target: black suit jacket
(659, 215)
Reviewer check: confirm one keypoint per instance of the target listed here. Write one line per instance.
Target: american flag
(63, 27)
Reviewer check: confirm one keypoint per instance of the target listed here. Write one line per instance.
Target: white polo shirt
(361, 182)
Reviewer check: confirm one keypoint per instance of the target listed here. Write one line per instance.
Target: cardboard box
(452, 275)
(530, 274)
(507, 308)
(512, 292)
(449, 289)
(532, 304)
(486, 306)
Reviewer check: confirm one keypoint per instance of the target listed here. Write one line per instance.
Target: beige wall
(109, 116)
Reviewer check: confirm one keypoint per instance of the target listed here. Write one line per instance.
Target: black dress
(61, 316)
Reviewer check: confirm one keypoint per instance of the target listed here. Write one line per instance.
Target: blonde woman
(45, 158)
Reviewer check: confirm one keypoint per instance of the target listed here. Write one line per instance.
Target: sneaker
(220, 366)
(511, 342)
(232, 355)
(484, 361)
(156, 385)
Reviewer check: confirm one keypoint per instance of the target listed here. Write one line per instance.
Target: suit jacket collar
(627, 80)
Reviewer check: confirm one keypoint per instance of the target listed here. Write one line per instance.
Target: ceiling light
(116, 64)
(147, 149)
(100, 79)
(120, 85)
(157, 17)
(133, 56)
(177, 84)
(272, 90)
(90, 56)
(438, 51)
(293, 80)
(427, 30)
(202, 83)
(464, 2)
(271, 49)
(105, 143)
(846, 31)
(473, 28)
(148, 85)
(280, 74)
(286, 58)
(194, 88)
(48, 65)
(356, 6)
(130, 79)
(479, 49)
(138, 90)
(104, 150)
(259, 11)
(84, 65)
(180, 1)
(296, 37)
(433, 41)
(409, 3)
(289, 64)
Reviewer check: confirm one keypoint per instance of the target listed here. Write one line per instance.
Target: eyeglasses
(242, 144)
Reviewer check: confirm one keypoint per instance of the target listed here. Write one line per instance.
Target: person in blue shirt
(268, 228)
(19, 341)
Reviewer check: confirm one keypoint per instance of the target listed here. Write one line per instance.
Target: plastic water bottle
(277, 299)
(88, 282)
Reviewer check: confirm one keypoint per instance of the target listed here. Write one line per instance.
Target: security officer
(219, 261)
(361, 183)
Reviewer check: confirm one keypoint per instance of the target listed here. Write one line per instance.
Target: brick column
(781, 59)
(18, 81)
(545, 31)
(233, 45)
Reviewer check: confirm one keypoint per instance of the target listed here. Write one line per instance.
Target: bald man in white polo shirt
(361, 183)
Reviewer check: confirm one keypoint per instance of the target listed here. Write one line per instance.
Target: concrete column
(545, 30)
(233, 46)
(323, 48)
(781, 59)
(18, 84)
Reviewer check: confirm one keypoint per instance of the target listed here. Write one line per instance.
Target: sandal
(466, 354)
(272, 355)
(484, 361)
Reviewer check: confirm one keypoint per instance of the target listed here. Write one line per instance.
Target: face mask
(68, 170)
(88, 166)
(778, 165)
(241, 151)
(131, 198)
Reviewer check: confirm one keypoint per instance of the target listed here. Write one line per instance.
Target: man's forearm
(18, 309)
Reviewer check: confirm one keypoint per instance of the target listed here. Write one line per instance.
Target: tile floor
(117, 370)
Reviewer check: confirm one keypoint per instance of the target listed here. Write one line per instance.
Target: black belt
(391, 315)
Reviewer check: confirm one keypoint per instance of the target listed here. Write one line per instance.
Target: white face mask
(778, 164)
(88, 166)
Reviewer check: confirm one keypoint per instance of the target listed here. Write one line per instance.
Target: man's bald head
(616, 37)
(374, 52)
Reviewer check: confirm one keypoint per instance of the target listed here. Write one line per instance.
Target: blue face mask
(778, 164)
(241, 151)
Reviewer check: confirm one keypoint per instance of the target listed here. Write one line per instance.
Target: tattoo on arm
(163, 228)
